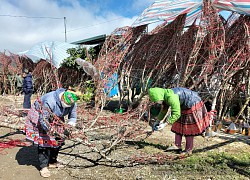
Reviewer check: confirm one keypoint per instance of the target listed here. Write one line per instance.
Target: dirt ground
(20, 162)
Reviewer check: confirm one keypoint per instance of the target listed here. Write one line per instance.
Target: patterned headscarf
(71, 96)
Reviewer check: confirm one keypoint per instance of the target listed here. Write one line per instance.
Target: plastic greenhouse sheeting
(111, 86)
(168, 10)
(52, 51)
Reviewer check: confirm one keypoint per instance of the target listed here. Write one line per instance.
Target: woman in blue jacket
(188, 117)
(45, 125)
(27, 88)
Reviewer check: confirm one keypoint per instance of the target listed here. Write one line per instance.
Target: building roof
(90, 41)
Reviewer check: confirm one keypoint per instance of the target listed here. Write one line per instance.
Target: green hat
(70, 97)
(156, 94)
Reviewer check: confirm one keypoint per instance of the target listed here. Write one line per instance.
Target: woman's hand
(72, 123)
(159, 126)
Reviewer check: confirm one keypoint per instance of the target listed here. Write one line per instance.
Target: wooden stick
(12, 126)
(243, 108)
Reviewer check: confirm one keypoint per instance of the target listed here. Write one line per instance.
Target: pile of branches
(11, 65)
(46, 76)
(101, 132)
(211, 58)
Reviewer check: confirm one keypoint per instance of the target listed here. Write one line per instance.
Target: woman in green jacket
(188, 117)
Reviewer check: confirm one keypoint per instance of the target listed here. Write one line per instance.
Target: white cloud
(20, 33)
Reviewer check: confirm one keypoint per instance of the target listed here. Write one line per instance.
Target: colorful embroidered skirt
(33, 132)
(193, 121)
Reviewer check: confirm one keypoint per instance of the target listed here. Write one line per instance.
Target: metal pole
(65, 29)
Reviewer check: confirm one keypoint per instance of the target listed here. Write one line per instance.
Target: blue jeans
(26, 101)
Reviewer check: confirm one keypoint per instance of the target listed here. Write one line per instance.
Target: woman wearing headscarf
(188, 117)
(45, 125)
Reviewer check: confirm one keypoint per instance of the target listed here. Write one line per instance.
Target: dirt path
(21, 162)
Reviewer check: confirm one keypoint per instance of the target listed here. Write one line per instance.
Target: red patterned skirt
(33, 132)
(193, 121)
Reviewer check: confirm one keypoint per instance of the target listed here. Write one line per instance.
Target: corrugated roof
(90, 41)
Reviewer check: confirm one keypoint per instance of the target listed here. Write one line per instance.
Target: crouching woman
(45, 126)
(188, 117)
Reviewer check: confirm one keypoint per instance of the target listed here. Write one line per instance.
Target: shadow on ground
(28, 156)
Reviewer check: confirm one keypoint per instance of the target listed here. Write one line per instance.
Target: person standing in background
(19, 84)
(27, 88)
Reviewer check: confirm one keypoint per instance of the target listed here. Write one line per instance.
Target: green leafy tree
(77, 53)
(74, 53)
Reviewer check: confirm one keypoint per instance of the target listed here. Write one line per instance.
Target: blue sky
(25, 23)
(127, 8)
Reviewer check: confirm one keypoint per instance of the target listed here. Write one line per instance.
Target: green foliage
(220, 161)
(92, 53)
(88, 91)
(88, 94)
(77, 53)
(74, 53)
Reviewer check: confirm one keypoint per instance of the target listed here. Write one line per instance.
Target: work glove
(72, 123)
(159, 125)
